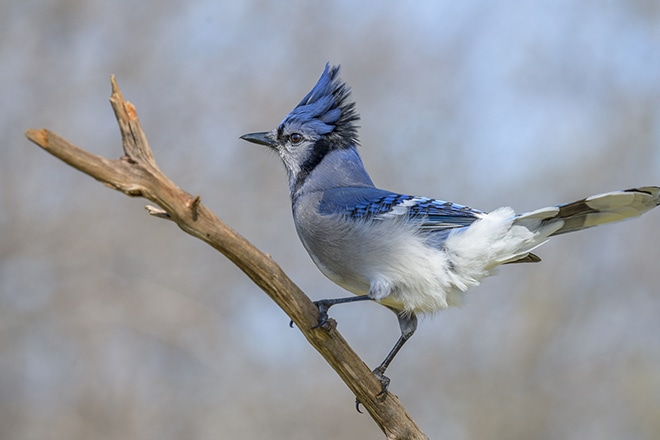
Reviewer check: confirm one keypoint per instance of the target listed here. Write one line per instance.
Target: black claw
(357, 405)
(291, 323)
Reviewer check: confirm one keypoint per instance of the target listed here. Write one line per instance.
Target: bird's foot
(324, 321)
(384, 381)
(384, 385)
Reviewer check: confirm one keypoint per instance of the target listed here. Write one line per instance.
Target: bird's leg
(324, 304)
(408, 325)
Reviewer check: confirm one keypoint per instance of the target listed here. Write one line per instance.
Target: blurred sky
(117, 325)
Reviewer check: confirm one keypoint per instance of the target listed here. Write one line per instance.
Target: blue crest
(327, 109)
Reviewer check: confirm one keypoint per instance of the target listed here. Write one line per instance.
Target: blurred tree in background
(115, 325)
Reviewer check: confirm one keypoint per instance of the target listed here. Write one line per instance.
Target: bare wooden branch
(137, 174)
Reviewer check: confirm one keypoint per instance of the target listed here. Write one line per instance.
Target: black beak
(260, 138)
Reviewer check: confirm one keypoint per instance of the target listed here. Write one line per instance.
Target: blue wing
(377, 204)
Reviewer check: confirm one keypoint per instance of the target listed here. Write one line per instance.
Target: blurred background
(115, 325)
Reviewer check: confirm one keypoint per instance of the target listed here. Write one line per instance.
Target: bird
(414, 255)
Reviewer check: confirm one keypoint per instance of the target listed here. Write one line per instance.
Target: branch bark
(137, 174)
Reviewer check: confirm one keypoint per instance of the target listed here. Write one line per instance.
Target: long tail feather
(595, 210)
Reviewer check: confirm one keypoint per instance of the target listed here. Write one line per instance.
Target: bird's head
(322, 122)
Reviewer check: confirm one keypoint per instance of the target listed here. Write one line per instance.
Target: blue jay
(414, 255)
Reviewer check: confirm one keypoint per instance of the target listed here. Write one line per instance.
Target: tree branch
(136, 174)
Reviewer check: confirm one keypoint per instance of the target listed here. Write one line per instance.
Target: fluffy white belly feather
(404, 272)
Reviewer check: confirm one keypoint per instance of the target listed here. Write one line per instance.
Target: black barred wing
(376, 204)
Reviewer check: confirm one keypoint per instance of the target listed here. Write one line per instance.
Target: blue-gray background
(116, 325)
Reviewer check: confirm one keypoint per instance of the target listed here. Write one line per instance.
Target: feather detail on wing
(375, 204)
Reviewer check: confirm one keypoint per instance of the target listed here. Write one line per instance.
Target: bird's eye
(296, 138)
